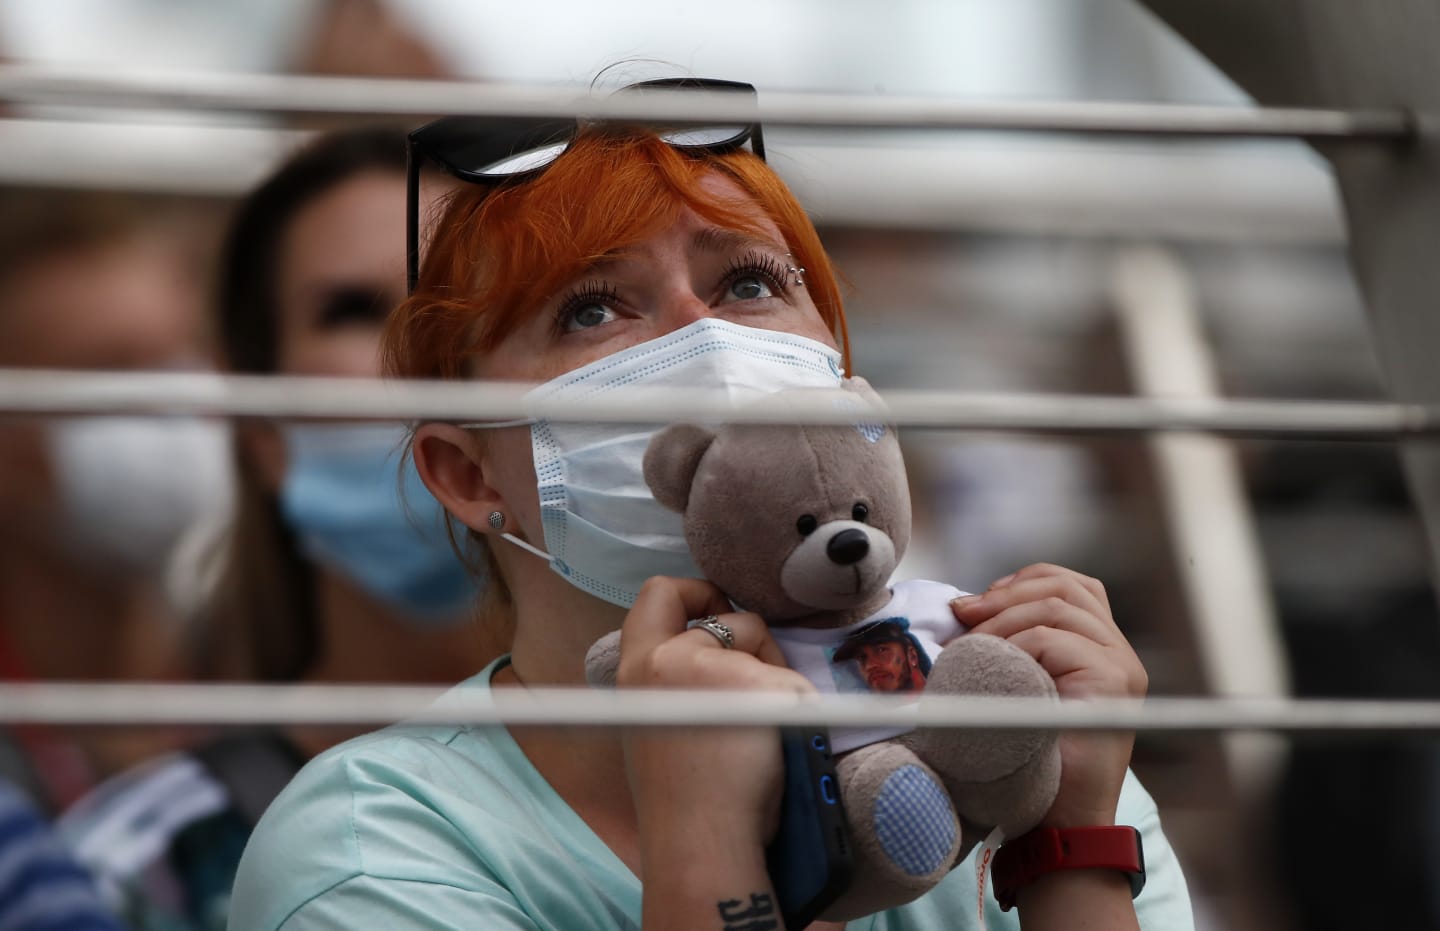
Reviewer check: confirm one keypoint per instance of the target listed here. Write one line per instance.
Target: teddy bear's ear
(671, 460)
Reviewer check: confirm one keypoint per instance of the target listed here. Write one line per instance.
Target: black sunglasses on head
(496, 150)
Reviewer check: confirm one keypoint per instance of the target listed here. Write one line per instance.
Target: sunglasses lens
(706, 137)
(528, 161)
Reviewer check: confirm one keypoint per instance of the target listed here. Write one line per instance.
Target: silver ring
(712, 626)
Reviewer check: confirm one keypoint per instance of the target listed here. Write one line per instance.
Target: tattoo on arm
(758, 916)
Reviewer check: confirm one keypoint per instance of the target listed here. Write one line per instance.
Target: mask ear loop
(527, 547)
(496, 425)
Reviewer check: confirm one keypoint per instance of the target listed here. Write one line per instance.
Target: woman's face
(688, 272)
(342, 269)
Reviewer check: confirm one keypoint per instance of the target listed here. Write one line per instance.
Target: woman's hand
(707, 799)
(1063, 619)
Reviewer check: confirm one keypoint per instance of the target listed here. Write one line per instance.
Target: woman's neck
(555, 625)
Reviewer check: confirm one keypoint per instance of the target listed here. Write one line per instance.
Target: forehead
(698, 235)
(352, 232)
(724, 189)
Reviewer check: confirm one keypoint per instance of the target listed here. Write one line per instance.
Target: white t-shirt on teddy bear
(889, 652)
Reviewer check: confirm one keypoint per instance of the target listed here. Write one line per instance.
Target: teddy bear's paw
(602, 661)
(904, 831)
(1016, 802)
(979, 664)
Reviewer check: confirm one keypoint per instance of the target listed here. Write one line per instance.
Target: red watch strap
(1045, 850)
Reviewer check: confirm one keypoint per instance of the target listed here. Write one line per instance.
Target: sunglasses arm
(412, 218)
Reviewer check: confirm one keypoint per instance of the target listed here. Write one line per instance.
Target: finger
(751, 635)
(972, 610)
(1081, 667)
(1041, 587)
(663, 608)
(1042, 570)
(707, 667)
(1050, 612)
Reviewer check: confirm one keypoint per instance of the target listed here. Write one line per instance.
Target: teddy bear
(805, 525)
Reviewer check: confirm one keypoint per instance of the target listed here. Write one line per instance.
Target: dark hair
(262, 622)
(250, 259)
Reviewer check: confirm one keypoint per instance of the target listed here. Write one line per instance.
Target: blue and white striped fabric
(42, 888)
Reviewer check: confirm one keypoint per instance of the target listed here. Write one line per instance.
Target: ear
(448, 460)
(263, 447)
(671, 460)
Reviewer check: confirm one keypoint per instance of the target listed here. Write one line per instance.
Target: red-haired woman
(623, 256)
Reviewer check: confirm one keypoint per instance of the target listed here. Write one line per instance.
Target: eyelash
(757, 264)
(592, 292)
(761, 265)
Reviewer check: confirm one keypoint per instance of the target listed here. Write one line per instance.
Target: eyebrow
(720, 239)
(711, 239)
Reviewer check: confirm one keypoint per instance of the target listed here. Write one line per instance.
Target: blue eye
(589, 307)
(588, 315)
(750, 288)
(754, 276)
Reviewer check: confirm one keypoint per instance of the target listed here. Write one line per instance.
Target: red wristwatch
(1045, 850)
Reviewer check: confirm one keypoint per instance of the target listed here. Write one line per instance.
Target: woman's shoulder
(419, 761)
(365, 807)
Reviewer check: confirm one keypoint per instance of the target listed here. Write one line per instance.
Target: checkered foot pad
(914, 823)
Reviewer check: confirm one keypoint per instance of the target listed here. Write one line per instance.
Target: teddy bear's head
(800, 524)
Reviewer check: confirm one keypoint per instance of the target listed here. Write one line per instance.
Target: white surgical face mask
(130, 487)
(604, 532)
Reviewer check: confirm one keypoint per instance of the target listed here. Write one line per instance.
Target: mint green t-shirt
(442, 826)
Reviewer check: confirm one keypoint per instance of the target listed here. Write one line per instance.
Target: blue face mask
(355, 511)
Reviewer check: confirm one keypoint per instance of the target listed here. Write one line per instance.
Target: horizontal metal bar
(35, 392)
(294, 95)
(128, 705)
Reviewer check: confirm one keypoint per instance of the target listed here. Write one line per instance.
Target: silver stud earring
(497, 520)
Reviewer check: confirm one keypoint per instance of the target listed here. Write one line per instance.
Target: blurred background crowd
(138, 550)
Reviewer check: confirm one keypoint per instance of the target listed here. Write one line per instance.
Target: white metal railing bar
(297, 95)
(68, 704)
(55, 392)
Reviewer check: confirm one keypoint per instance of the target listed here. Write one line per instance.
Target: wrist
(1061, 818)
(694, 881)
(1098, 854)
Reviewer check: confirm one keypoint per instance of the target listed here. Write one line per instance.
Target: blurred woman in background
(337, 567)
(91, 508)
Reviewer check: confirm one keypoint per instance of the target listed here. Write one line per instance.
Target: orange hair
(497, 252)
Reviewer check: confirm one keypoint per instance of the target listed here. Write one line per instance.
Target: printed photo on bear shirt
(880, 657)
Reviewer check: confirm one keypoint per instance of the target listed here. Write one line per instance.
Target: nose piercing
(497, 520)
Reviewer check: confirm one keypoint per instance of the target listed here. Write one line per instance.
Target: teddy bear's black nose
(848, 547)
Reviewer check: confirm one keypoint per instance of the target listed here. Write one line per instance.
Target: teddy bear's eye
(859, 512)
(806, 524)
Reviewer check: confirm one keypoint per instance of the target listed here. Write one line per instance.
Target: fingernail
(1001, 583)
(965, 601)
